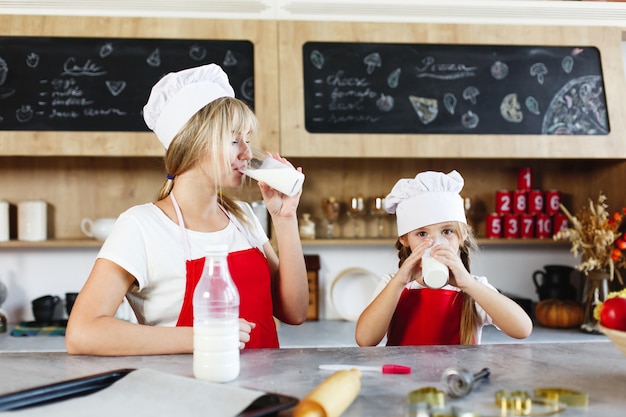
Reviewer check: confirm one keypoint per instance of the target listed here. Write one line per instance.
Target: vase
(595, 291)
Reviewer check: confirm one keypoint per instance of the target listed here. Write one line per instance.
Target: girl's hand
(447, 255)
(277, 203)
(411, 269)
(245, 327)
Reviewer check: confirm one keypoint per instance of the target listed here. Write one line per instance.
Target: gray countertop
(595, 368)
(323, 333)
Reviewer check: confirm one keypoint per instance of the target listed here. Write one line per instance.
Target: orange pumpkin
(559, 313)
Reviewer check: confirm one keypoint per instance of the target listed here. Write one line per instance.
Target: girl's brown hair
(206, 138)
(469, 315)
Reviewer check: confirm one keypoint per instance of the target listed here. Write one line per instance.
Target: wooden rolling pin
(332, 396)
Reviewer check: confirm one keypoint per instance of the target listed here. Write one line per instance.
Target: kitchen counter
(594, 368)
(322, 333)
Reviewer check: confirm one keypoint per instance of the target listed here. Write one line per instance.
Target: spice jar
(307, 227)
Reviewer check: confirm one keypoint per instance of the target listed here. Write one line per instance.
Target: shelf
(91, 243)
(53, 243)
(391, 242)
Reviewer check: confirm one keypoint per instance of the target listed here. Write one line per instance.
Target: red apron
(426, 317)
(251, 274)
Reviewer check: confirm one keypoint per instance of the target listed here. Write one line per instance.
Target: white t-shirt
(148, 244)
(483, 318)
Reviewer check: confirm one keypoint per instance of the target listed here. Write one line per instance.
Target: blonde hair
(469, 315)
(206, 138)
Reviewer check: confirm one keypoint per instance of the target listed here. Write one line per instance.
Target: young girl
(155, 254)
(431, 217)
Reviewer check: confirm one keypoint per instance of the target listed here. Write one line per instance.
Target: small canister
(4, 221)
(504, 201)
(535, 201)
(493, 226)
(559, 222)
(553, 201)
(527, 226)
(543, 226)
(524, 179)
(32, 220)
(520, 201)
(511, 226)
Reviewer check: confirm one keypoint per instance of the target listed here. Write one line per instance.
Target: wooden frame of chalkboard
(251, 41)
(303, 136)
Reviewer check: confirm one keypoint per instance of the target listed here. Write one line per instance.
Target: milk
(216, 351)
(279, 176)
(434, 273)
(287, 181)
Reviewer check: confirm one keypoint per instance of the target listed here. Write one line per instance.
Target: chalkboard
(102, 84)
(453, 89)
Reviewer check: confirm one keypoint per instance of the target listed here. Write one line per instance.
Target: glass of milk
(434, 273)
(279, 176)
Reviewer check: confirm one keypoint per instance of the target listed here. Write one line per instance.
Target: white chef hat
(431, 197)
(177, 96)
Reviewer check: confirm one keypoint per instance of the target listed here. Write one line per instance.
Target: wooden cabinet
(100, 174)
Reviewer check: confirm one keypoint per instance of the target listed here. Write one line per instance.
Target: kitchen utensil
(388, 368)
(459, 381)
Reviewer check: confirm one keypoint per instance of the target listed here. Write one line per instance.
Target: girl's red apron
(251, 274)
(426, 317)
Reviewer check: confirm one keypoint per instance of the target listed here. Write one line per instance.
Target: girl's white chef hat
(177, 96)
(431, 197)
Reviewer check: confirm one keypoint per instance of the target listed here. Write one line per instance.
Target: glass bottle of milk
(216, 320)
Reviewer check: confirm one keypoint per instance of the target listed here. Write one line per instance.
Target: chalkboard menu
(453, 89)
(102, 84)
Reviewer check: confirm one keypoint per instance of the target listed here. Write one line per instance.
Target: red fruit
(613, 313)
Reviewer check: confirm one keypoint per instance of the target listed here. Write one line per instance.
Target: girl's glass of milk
(279, 176)
(434, 273)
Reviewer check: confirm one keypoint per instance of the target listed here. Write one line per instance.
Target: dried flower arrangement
(598, 236)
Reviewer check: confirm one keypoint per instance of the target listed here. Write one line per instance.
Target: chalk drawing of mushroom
(538, 70)
(470, 93)
(449, 102)
(372, 61)
(32, 60)
(317, 59)
(567, 64)
(394, 78)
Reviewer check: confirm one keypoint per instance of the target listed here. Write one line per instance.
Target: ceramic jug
(97, 229)
(554, 282)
